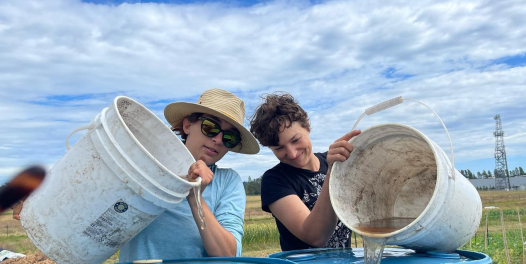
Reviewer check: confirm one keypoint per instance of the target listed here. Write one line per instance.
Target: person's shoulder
(226, 175)
(322, 155)
(274, 171)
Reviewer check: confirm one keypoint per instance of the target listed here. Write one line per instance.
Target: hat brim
(176, 112)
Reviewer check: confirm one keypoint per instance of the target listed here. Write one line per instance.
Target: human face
(208, 149)
(295, 148)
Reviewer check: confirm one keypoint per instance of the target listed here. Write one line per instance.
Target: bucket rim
(132, 136)
(431, 200)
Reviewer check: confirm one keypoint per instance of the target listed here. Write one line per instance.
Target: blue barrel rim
(257, 260)
(473, 255)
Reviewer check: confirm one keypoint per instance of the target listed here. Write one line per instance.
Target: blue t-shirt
(174, 234)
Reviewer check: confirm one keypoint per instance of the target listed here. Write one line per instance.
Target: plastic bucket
(114, 181)
(396, 172)
(390, 255)
(214, 260)
(399, 177)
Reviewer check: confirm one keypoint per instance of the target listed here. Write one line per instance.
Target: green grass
(18, 243)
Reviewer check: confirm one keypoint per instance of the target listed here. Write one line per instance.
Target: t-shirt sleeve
(274, 186)
(230, 210)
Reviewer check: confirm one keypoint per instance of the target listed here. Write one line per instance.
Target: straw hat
(219, 103)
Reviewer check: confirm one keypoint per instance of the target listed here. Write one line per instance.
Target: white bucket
(115, 180)
(395, 171)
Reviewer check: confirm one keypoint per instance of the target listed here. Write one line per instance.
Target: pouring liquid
(197, 191)
(374, 246)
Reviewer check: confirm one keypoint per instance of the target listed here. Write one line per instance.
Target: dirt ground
(38, 258)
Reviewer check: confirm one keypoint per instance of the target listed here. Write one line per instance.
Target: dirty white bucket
(395, 171)
(114, 181)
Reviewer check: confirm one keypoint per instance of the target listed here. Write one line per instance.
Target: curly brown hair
(278, 112)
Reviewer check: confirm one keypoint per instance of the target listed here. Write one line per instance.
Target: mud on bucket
(398, 184)
(109, 186)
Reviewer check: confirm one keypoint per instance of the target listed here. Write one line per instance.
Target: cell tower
(502, 178)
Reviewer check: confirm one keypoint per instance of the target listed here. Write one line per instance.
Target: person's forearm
(321, 222)
(218, 241)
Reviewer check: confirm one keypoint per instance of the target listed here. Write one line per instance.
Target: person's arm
(218, 241)
(314, 227)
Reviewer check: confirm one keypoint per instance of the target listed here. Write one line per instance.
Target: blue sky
(63, 61)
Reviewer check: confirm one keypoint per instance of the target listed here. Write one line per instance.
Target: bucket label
(117, 225)
(120, 207)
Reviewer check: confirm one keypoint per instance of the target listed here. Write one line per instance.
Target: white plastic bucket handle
(396, 101)
(90, 126)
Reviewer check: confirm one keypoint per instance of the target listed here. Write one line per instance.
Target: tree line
(253, 186)
(518, 171)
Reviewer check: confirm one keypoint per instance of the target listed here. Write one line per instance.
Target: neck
(313, 164)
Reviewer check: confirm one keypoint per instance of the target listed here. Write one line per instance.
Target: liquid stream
(197, 191)
(374, 246)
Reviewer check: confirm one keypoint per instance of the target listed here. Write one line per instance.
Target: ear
(186, 126)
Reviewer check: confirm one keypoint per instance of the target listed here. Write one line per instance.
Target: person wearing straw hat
(296, 191)
(210, 128)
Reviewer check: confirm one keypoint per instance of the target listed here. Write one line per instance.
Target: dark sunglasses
(210, 128)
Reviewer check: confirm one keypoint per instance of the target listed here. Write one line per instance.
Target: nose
(218, 138)
(291, 152)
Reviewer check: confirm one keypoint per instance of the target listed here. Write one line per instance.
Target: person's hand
(200, 169)
(17, 208)
(341, 149)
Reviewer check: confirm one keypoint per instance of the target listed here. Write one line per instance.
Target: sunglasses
(210, 128)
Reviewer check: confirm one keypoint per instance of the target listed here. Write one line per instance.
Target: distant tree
(484, 174)
(495, 172)
(253, 187)
(471, 175)
(489, 174)
(517, 173)
(521, 171)
(479, 175)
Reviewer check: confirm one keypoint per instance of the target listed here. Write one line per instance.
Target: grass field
(261, 236)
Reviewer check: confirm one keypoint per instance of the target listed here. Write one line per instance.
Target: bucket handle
(91, 125)
(396, 101)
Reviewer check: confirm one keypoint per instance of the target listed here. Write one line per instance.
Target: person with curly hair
(296, 191)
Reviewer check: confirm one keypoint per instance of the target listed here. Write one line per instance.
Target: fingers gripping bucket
(114, 181)
(395, 172)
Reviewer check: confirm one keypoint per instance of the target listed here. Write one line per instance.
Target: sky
(63, 61)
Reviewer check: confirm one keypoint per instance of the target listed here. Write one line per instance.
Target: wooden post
(522, 238)
(504, 237)
(486, 234)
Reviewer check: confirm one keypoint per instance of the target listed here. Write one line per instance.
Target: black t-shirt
(283, 180)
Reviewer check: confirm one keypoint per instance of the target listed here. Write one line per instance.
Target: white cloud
(62, 61)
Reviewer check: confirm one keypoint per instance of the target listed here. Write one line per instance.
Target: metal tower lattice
(502, 178)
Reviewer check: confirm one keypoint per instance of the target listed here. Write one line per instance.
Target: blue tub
(223, 260)
(391, 255)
